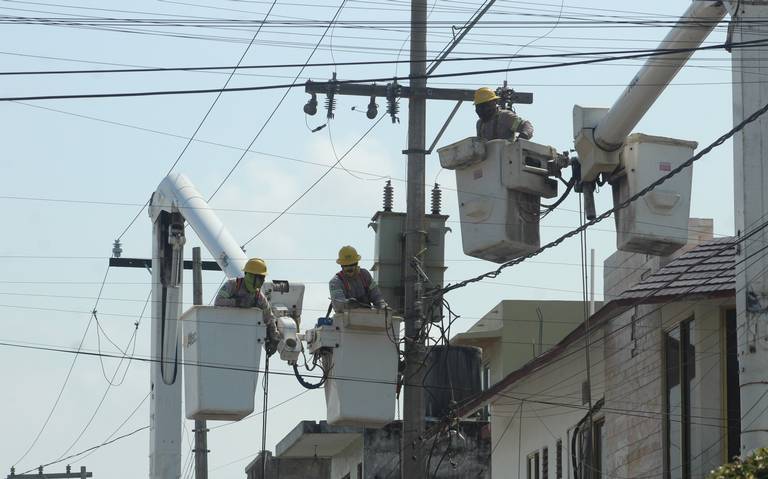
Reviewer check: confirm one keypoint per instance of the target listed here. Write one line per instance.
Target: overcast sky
(74, 173)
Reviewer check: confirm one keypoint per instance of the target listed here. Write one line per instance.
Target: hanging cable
(265, 386)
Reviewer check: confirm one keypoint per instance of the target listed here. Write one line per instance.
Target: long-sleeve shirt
(503, 126)
(233, 293)
(362, 288)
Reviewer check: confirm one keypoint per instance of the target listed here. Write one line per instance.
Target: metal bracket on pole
(454, 94)
(445, 125)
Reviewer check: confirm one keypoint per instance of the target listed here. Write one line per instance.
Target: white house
(662, 378)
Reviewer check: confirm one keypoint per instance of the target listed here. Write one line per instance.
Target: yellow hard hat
(484, 95)
(256, 266)
(347, 256)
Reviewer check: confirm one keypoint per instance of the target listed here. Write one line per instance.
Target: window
(590, 465)
(545, 463)
(679, 358)
(532, 466)
(559, 459)
(485, 383)
(597, 467)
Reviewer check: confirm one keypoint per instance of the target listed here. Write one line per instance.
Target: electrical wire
(658, 52)
(110, 381)
(548, 32)
(279, 103)
(69, 374)
(93, 448)
(205, 116)
(315, 183)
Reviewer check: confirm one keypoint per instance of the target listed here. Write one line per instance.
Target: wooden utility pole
(201, 426)
(412, 460)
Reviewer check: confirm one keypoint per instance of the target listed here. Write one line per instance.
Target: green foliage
(754, 466)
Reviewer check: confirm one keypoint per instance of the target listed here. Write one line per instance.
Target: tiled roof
(708, 268)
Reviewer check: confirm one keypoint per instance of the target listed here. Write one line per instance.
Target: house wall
(347, 460)
(520, 334)
(551, 405)
(636, 388)
(634, 384)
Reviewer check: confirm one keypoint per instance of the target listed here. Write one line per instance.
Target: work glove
(273, 339)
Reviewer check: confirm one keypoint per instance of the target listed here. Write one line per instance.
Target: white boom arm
(177, 194)
(600, 134)
(175, 201)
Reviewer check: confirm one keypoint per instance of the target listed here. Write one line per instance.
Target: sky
(76, 172)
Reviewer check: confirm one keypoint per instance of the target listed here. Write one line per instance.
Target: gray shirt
(234, 294)
(362, 288)
(504, 125)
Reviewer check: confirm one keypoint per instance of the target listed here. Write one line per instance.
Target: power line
(279, 103)
(201, 68)
(749, 44)
(69, 373)
(306, 191)
(205, 117)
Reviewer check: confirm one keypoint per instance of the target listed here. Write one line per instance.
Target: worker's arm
(338, 298)
(226, 296)
(525, 130)
(266, 309)
(374, 293)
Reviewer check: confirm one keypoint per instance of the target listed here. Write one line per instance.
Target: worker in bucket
(353, 286)
(495, 123)
(246, 292)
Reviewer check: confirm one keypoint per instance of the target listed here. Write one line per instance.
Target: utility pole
(201, 426)
(412, 456)
(82, 474)
(750, 150)
(412, 460)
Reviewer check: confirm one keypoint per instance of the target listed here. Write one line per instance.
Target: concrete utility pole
(201, 426)
(412, 460)
(412, 455)
(750, 151)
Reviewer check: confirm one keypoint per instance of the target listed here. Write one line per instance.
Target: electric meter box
(499, 195)
(657, 223)
(222, 349)
(360, 389)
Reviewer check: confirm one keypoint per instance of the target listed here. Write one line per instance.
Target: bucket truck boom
(175, 201)
(599, 133)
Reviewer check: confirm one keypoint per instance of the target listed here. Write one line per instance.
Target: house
(656, 366)
(322, 451)
(516, 331)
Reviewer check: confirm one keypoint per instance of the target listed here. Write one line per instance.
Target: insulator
(388, 196)
(436, 199)
(330, 105)
(117, 249)
(393, 108)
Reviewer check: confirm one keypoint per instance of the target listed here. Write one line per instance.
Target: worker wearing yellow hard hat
(495, 123)
(246, 292)
(353, 286)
